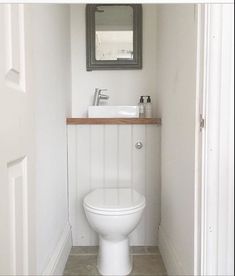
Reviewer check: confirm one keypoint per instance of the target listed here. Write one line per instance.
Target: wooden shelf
(113, 121)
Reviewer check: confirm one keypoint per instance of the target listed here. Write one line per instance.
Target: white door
(16, 147)
(216, 231)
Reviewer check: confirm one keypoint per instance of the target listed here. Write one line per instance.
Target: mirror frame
(92, 63)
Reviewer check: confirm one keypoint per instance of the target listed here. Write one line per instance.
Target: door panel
(18, 208)
(16, 146)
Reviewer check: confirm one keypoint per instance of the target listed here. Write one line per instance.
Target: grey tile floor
(147, 261)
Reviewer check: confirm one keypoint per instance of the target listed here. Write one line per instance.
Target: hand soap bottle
(141, 107)
(148, 108)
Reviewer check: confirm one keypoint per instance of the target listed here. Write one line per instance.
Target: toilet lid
(114, 200)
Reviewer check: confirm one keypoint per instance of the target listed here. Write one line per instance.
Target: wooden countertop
(113, 121)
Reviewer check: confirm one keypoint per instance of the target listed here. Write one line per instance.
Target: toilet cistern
(99, 96)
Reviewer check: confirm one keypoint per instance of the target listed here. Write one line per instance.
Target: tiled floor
(147, 261)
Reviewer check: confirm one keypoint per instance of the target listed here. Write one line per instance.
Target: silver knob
(139, 145)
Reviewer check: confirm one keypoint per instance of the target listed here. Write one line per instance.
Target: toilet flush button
(139, 145)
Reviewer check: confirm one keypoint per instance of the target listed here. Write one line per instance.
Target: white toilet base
(114, 257)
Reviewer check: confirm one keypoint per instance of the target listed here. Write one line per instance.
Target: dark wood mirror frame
(92, 63)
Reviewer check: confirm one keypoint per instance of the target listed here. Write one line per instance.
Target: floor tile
(148, 265)
(81, 265)
(147, 261)
(138, 250)
(145, 250)
(84, 250)
(152, 250)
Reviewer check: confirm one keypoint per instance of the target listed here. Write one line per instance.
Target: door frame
(214, 145)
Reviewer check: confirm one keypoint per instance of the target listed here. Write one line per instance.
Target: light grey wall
(48, 35)
(125, 86)
(176, 80)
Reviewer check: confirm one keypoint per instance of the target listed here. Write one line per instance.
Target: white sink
(113, 111)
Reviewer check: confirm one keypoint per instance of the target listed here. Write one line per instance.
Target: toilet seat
(114, 214)
(114, 201)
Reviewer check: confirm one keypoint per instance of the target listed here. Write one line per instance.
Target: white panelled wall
(106, 156)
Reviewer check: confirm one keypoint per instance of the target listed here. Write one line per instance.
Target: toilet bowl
(114, 214)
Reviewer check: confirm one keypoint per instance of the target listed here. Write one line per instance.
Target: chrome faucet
(98, 96)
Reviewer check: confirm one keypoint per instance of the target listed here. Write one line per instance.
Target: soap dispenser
(141, 107)
(148, 108)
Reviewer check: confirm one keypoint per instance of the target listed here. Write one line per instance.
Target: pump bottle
(141, 107)
(148, 108)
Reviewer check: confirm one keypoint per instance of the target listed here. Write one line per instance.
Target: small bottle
(141, 107)
(148, 108)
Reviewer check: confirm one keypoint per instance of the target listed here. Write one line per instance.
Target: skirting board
(59, 258)
(169, 255)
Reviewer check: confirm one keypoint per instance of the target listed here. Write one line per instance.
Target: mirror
(114, 36)
(114, 33)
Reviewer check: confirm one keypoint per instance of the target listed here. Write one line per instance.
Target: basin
(127, 111)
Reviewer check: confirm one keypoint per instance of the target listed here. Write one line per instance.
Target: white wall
(176, 79)
(125, 86)
(48, 44)
(101, 156)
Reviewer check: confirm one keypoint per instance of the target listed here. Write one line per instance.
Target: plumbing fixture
(99, 96)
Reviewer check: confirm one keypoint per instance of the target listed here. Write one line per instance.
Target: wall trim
(169, 254)
(60, 255)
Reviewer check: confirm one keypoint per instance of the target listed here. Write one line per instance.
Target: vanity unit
(114, 153)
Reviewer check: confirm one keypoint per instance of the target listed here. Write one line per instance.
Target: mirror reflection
(114, 32)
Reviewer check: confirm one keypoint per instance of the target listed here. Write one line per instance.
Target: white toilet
(114, 214)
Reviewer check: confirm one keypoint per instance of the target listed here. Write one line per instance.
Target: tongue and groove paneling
(106, 156)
